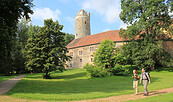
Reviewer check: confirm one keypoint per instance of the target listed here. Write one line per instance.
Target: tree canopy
(145, 19)
(46, 49)
(11, 12)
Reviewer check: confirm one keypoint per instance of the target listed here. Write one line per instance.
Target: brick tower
(82, 24)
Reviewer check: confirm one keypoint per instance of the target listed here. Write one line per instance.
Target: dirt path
(130, 97)
(5, 86)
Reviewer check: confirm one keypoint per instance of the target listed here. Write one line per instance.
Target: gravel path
(130, 96)
(5, 86)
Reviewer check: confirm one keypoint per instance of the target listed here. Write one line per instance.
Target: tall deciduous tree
(146, 18)
(11, 11)
(46, 49)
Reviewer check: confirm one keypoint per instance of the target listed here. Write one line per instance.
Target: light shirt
(143, 76)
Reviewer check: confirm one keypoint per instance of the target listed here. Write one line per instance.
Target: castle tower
(82, 24)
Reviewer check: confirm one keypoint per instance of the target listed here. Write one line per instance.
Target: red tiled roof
(96, 38)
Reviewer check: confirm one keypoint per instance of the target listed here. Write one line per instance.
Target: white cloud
(107, 29)
(45, 13)
(109, 9)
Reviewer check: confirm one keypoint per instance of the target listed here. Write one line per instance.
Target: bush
(117, 70)
(122, 69)
(96, 71)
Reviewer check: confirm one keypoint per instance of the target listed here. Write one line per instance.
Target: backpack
(148, 75)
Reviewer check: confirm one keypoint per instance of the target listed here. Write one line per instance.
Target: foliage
(118, 57)
(145, 18)
(104, 54)
(74, 84)
(116, 69)
(46, 49)
(106, 60)
(68, 38)
(96, 71)
(11, 11)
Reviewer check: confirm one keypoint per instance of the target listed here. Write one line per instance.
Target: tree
(107, 60)
(46, 49)
(11, 11)
(145, 18)
(68, 38)
(104, 54)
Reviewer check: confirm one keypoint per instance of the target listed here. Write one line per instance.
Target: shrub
(96, 71)
(116, 70)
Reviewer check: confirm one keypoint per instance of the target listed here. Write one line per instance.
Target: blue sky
(104, 13)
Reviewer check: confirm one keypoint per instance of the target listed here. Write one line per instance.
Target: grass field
(160, 98)
(3, 78)
(74, 84)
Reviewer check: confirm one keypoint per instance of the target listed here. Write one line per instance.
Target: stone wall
(86, 56)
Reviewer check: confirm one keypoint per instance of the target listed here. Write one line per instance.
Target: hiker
(146, 78)
(135, 81)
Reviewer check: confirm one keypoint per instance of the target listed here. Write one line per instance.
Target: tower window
(85, 22)
(76, 34)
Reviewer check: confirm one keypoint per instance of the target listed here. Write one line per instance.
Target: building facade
(81, 49)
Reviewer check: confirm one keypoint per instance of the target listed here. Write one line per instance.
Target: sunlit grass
(74, 84)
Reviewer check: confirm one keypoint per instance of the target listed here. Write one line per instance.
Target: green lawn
(74, 84)
(160, 98)
(3, 78)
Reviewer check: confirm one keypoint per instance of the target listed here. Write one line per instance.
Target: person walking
(146, 78)
(135, 81)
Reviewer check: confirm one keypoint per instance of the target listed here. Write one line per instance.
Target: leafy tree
(104, 54)
(145, 18)
(107, 60)
(46, 49)
(11, 11)
(68, 38)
